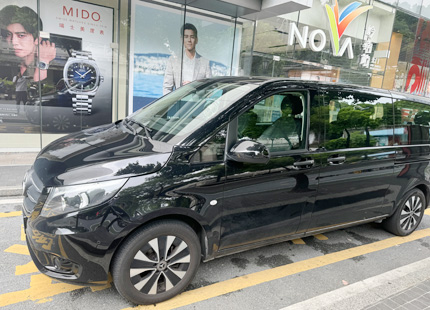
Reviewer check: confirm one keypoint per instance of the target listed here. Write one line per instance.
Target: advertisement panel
(186, 46)
(56, 66)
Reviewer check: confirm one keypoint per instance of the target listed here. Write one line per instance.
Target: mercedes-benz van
(220, 166)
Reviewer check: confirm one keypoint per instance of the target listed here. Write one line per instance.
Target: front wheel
(157, 262)
(408, 215)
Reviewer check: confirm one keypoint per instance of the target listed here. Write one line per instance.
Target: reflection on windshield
(176, 115)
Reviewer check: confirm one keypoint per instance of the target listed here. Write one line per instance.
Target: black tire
(142, 274)
(408, 214)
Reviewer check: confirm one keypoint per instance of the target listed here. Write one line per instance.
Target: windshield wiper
(147, 129)
(126, 124)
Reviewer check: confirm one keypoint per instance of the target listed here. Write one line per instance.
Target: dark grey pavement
(13, 166)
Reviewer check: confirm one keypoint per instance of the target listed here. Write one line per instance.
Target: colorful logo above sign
(338, 23)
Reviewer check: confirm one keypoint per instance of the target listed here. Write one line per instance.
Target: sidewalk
(404, 288)
(13, 166)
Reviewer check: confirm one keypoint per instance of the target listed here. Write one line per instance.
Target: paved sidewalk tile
(416, 297)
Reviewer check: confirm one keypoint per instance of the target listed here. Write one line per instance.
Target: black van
(221, 166)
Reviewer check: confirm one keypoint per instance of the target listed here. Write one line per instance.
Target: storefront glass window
(77, 91)
(425, 11)
(245, 47)
(189, 45)
(18, 75)
(402, 44)
(98, 61)
(152, 44)
(217, 35)
(392, 2)
(413, 6)
(374, 55)
(272, 56)
(351, 70)
(63, 83)
(307, 46)
(418, 71)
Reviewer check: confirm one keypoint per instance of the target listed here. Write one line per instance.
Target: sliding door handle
(336, 160)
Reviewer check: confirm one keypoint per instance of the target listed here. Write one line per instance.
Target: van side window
(412, 122)
(279, 122)
(354, 119)
(213, 150)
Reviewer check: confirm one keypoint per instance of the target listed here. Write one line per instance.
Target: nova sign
(338, 25)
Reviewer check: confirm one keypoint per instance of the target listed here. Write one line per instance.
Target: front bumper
(69, 255)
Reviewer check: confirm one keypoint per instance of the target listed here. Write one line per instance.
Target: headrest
(294, 102)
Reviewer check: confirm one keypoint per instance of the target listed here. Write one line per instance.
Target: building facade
(70, 65)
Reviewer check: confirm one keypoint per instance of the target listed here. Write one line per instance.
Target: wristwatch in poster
(43, 65)
(82, 78)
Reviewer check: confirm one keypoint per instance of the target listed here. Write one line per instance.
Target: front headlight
(67, 199)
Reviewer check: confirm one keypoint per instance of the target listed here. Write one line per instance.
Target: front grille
(33, 188)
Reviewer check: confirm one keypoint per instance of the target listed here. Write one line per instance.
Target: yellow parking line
(41, 288)
(22, 233)
(42, 301)
(18, 249)
(427, 211)
(25, 269)
(232, 285)
(298, 241)
(10, 214)
(321, 237)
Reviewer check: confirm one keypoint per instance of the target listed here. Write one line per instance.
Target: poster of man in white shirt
(185, 47)
(193, 65)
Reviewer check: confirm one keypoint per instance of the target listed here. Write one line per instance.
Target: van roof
(267, 80)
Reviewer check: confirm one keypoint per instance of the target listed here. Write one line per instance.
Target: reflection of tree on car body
(19, 26)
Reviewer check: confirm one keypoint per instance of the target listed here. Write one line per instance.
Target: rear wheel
(408, 215)
(157, 262)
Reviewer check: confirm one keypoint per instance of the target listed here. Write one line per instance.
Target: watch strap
(82, 104)
(82, 55)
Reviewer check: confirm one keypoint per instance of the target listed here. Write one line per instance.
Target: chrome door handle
(301, 164)
(336, 160)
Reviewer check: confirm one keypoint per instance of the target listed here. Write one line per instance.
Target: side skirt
(262, 243)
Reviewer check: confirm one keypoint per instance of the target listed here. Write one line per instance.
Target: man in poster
(194, 66)
(72, 50)
(22, 34)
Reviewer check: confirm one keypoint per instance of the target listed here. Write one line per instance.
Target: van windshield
(176, 115)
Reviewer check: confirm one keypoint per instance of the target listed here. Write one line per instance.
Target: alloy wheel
(411, 213)
(160, 264)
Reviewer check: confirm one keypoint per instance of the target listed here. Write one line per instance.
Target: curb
(10, 191)
(372, 291)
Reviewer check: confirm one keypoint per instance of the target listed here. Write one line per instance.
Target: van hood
(100, 153)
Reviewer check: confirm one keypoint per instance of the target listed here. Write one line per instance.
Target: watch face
(42, 65)
(82, 76)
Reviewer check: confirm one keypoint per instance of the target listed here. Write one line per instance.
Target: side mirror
(248, 151)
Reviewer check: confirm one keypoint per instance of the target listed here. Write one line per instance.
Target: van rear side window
(354, 119)
(412, 122)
